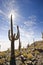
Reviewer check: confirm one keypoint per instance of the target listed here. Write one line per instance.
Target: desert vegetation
(30, 55)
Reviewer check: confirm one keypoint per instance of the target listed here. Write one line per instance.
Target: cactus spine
(12, 38)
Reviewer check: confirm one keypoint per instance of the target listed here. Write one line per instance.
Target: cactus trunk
(12, 62)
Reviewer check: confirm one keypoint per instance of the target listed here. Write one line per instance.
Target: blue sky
(28, 15)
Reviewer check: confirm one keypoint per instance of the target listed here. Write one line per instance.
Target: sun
(13, 15)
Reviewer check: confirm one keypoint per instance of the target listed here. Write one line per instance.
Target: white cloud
(4, 28)
(27, 31)
(1, 12)
(33, 17)
(4, 45)
(31, 21)
(8, 3)
(26, 35)
(11, 6)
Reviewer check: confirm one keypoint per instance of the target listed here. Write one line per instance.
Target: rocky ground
(32, 55)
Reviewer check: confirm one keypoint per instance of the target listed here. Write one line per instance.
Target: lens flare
(13, 15)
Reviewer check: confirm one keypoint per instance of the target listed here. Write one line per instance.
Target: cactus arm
(17, 37)
(9, 35)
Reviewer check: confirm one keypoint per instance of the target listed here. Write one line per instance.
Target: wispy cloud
(31, 21)
(27, 30)
(1, 12)
(26, 35)
(4, 45)
(33, 18)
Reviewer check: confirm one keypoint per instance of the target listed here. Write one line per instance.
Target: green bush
(8, 58)
(29, 56)
(3, 54)
(36, 52)
(17, 53)
(2, 61)
(25, 55)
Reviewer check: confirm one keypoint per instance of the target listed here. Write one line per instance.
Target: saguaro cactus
(19, 43)
(12, 38)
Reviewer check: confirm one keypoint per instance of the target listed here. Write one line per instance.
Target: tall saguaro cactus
(12, 38)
